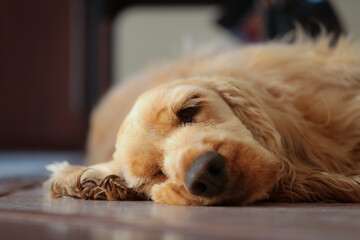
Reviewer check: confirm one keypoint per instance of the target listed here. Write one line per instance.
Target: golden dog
(274, 121)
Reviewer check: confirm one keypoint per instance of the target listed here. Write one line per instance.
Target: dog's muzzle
(206, 176)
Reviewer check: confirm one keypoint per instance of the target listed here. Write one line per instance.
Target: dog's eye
(187, 115)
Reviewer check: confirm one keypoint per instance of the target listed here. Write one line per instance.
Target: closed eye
(187, 115)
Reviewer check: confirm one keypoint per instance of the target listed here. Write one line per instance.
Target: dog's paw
(63, 180)
(174, 194)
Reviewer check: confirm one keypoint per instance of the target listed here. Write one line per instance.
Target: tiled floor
(27, 214)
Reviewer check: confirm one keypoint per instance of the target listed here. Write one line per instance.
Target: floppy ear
(250, 109)
(294, 183)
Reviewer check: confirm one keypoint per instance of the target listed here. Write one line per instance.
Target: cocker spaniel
(275, 121)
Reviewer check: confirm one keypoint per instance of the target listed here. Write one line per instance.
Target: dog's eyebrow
(195, 96)
(188, 99)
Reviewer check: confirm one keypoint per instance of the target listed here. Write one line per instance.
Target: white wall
(349, 12)
(142, 35)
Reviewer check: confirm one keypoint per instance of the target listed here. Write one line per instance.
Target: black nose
(206, 176)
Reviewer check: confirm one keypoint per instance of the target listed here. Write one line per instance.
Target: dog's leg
(98, 182)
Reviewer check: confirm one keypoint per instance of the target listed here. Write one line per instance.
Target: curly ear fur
(314, 166)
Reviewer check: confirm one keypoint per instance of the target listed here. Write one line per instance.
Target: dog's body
(281, 121)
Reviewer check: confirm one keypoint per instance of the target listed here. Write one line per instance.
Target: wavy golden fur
(286, 117)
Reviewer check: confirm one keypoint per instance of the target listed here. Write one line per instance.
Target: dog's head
(199, 141)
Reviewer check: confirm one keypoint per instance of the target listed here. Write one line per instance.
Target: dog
(275, 121)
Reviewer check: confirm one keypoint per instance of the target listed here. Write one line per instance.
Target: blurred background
(58, 57)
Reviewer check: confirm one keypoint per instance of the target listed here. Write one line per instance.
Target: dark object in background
(38, 100)
(259, 20)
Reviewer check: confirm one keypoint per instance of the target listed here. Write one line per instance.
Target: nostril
(215, 170)
(199, 188)
(206, 176)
